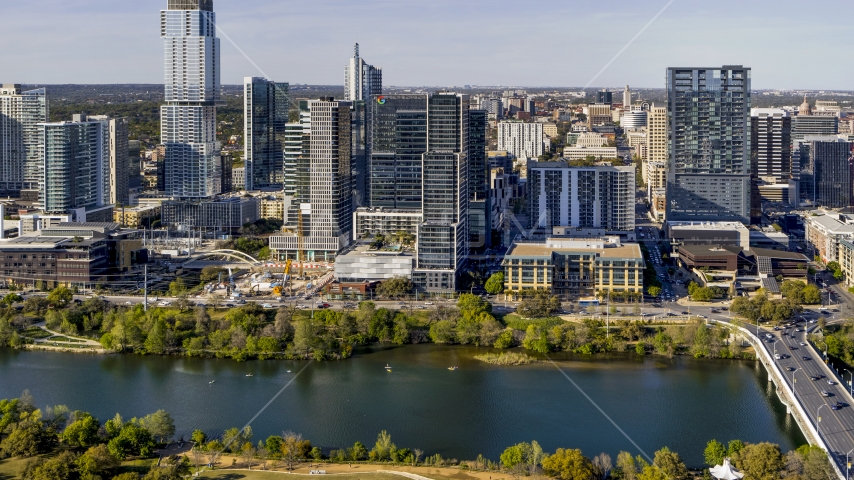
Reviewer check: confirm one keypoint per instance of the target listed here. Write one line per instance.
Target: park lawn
(259, 475)
(12, 467)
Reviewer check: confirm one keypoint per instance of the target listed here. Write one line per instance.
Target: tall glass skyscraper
(708, 114)
(265, 114)
(188, 118)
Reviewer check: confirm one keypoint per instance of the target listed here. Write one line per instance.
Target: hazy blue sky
(788, 43)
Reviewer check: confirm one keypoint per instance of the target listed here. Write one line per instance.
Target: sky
(788, 44)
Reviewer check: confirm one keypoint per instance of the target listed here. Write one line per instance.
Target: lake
(478, 409)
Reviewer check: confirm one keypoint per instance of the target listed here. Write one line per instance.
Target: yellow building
(550, 129)
(273, 208)
(574, 267)
(656, 134)
(136, 217)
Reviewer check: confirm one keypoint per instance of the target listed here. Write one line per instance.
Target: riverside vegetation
(250, 331)
(58, 444)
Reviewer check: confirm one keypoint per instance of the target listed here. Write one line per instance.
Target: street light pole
(850, 383)
(793, 381)
(818, 419)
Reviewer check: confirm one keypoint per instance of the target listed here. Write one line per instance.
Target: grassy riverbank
(506, 358)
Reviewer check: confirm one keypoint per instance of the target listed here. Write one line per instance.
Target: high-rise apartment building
(188, 118)
(522, 140)
(582, 197)
(265, 113)
(76, 167)
(120, 170)
(708, 113)
(20, 157)
(771, 145)
(320, 157)
(656, 134)
(361, 81)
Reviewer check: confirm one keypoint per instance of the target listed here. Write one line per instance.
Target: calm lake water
(479, 408)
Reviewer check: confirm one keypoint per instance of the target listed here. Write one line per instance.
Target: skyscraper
(361, 81)
(318, 208)
(709, 143)
(627, 97)
(479, 220)
(117, 130)
(826, 179)
(20, 157)
(76, 166)
(265, 113)
(771, 145)
(188, 118)
(443, 237)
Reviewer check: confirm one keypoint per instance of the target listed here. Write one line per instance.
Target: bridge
(198, 259)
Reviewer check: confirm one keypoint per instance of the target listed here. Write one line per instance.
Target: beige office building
(656, 134)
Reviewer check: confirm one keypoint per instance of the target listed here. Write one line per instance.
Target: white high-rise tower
(360, 79)
(627, 98)
(188, 118)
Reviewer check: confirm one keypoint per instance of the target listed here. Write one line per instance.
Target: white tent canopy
(725, 471)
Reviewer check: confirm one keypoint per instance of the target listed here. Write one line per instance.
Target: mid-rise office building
(76, 168)
(771, 145)
(709, 148)
(191, 164)
(21, 112)
(581, 197)
(221, 214)
(826, 179)
(521, 139)
(605, 96)
(120, 170)
(265, 113)
(809, 125)
(599, 114)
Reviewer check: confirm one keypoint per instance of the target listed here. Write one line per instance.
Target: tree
(155, 342)
(812, 295)
(132, 440)
(60, 296)
(383, 448)
(703, 294)
(60, 467)
(83, 432)
(96, 461)
(395, 287)
(292, 448)
(568, 464)
(654, 290)
(11, 298)
(670, 463)
(512, 456)
(540, 305)
(472, 305)
(160, 424)
(495, 283)
(760, 461)
(714, 453)
(211, 273)
(358, 452)
(733, 447)
(626, 465)
(602, 466)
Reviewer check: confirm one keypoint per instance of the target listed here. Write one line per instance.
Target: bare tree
(198, 456)
(247, 452)
(602, 465)
(291, 443)
(416, 455)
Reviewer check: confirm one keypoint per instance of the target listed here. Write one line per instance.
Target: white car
(164, 304)
(128, 303)
(428, 303)
(266, 305)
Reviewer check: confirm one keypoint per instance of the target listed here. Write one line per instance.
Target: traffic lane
(837, 426)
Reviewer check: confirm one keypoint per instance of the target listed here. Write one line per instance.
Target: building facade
(120, 169)
(21, 112)
(265, 113)
(582, 197)
(574, 268)
(361, 80)
(709, 143)
(656, 134)
(220, 214)
(76, 166)
(521, 139)
(826, 179)
(191, 164)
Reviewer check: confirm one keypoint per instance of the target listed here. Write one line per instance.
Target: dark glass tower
(708, 114)
(266, 113)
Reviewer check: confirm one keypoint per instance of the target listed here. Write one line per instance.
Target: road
(808, 374)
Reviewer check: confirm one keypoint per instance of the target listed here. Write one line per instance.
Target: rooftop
(629, 250)
(710, 250)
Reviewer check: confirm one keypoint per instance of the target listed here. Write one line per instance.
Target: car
(128, 303)
(229, 305)
(803, 344)
(777, 356)
(790, 369)
(792, 347)
(814, 377)
(428, 303)
(825, 393)
(241, 302)
(834, 406)
(266, 305)
(831, 382)
(806, 357)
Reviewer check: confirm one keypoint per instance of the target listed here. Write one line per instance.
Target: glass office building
(265, 115)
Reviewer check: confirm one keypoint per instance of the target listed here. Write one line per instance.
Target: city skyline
(430, 52)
